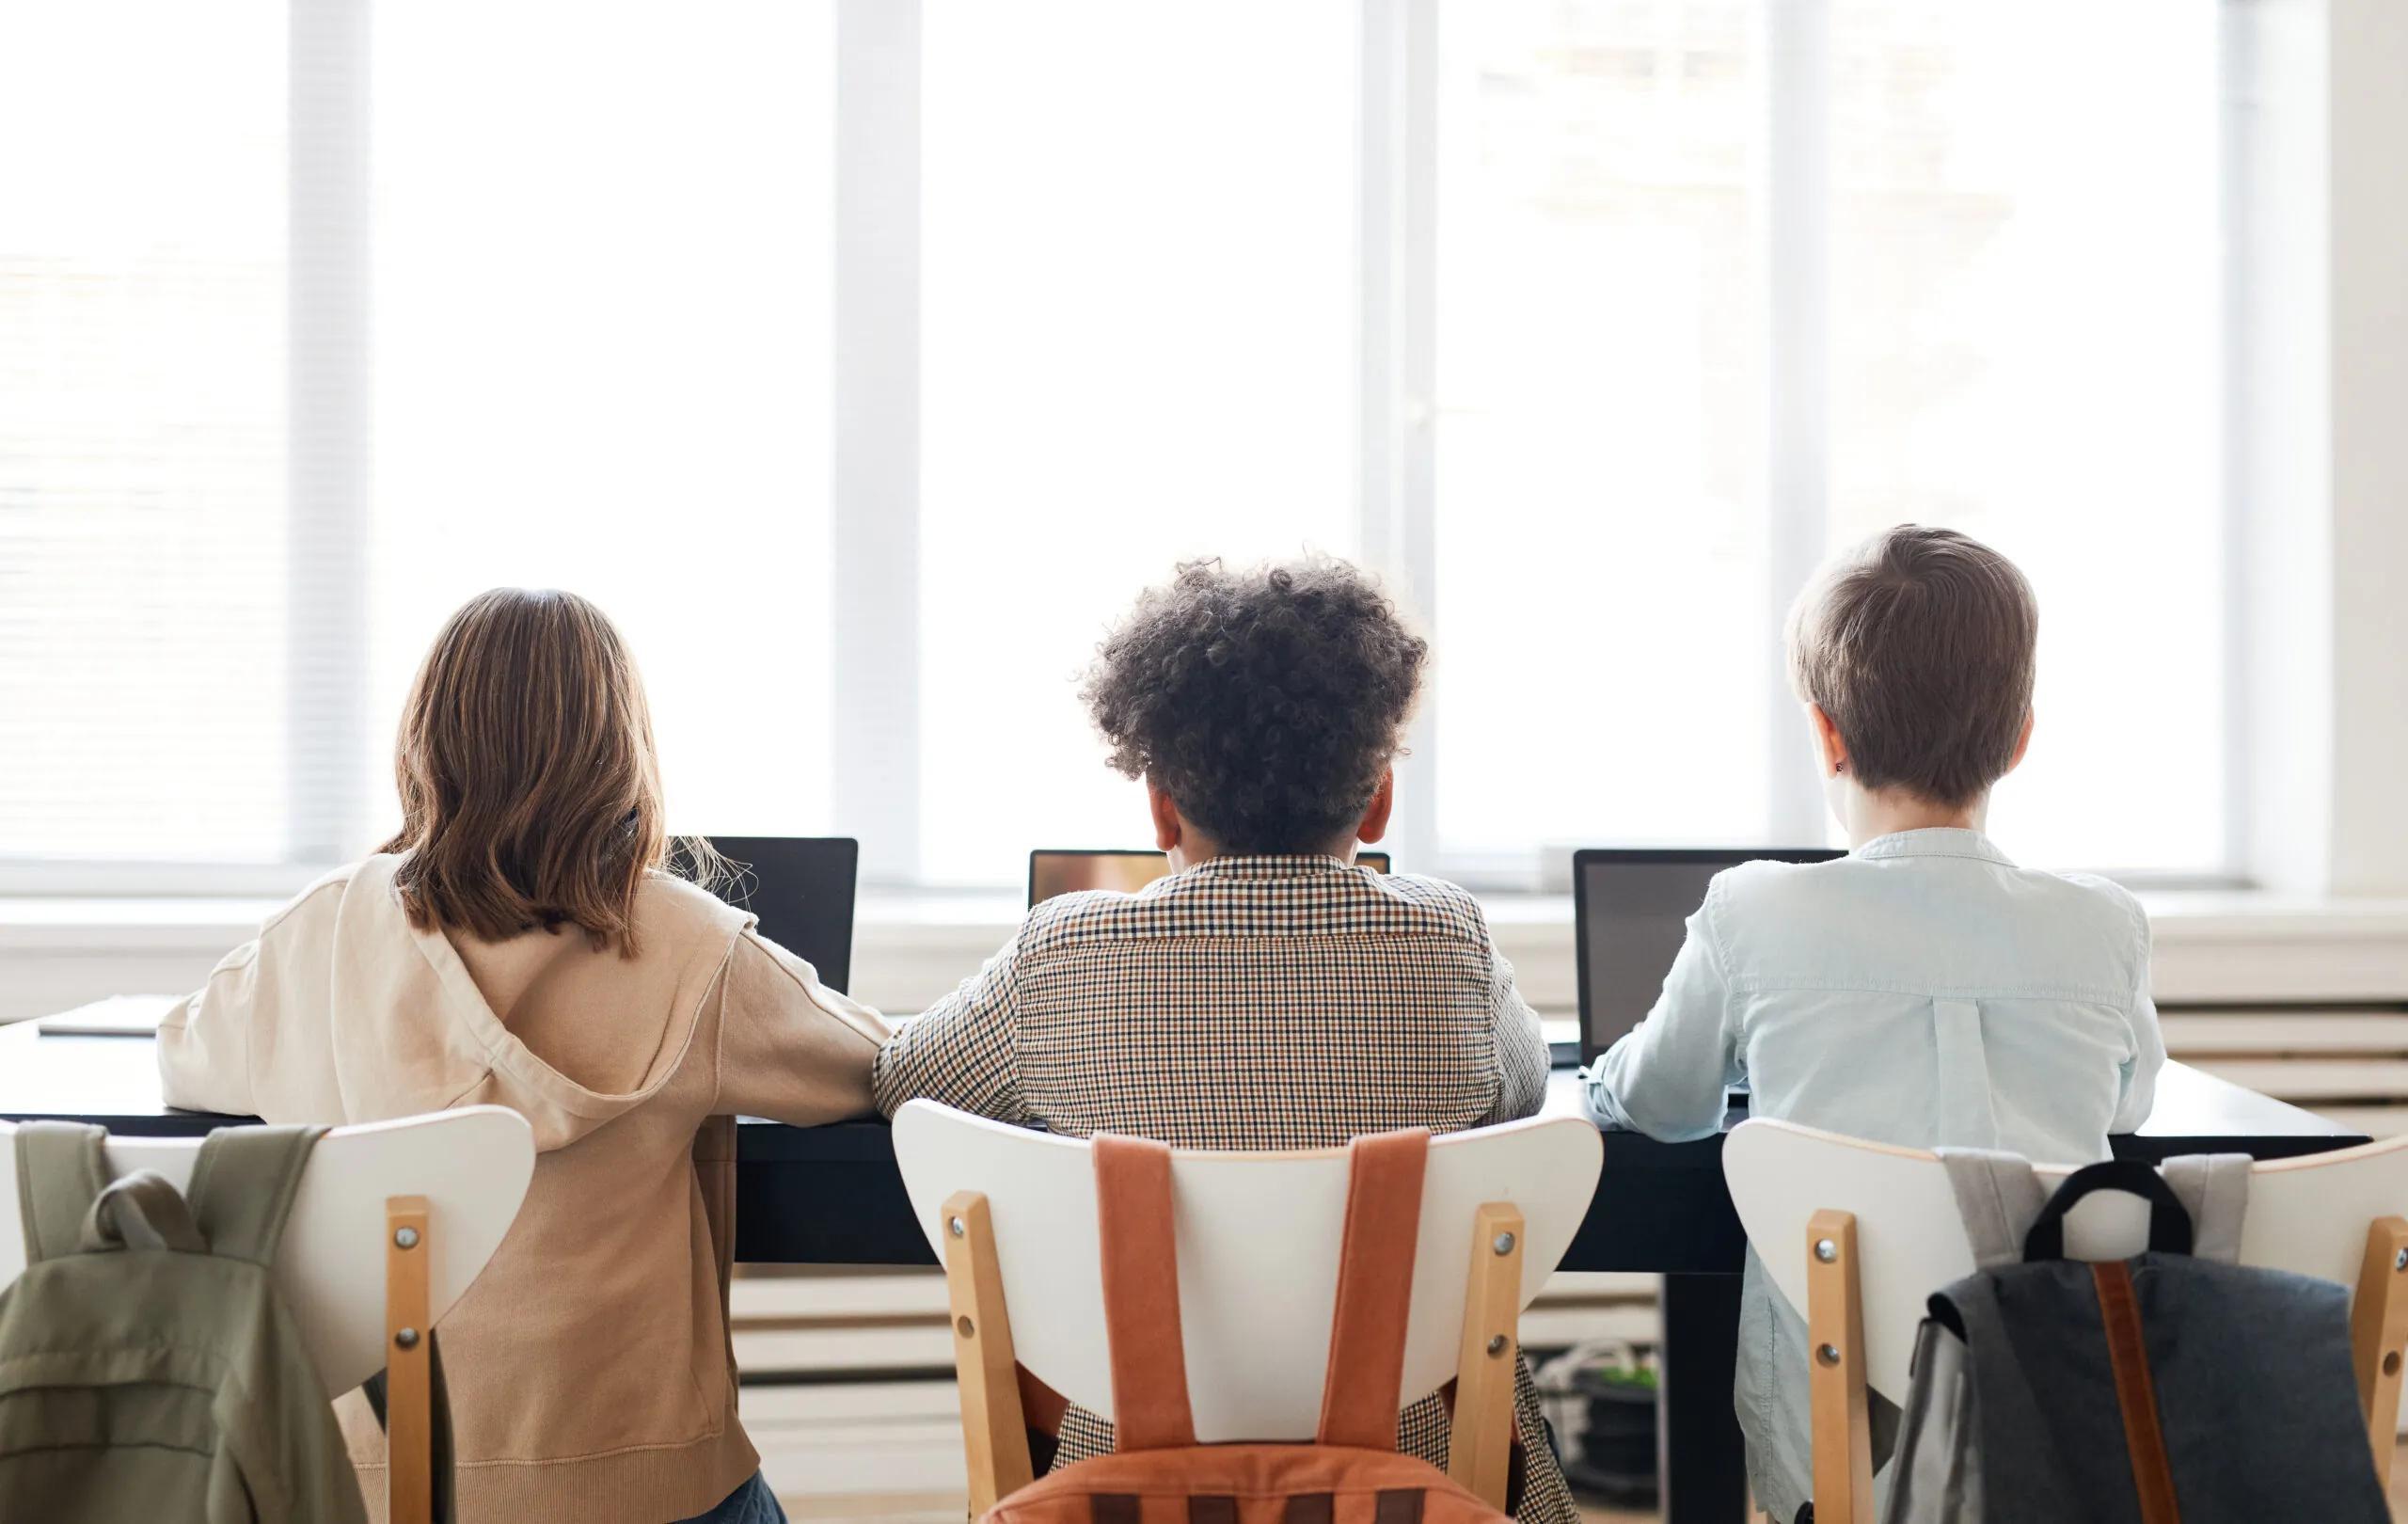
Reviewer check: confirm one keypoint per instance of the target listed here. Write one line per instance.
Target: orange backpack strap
(1149, 1408)
(1359, 1392)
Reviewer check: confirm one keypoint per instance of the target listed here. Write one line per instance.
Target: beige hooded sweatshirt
(588, 1365)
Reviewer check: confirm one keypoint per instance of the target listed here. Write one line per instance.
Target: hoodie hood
(415, 1033)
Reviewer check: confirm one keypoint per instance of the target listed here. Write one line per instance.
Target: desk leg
(1701, 1461)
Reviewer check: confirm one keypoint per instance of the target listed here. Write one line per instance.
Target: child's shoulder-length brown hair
(531, 792)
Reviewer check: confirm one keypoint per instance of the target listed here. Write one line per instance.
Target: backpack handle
(2169, 1223)
(141, 1210)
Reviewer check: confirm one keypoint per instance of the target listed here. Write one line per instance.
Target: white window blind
(142, 452)
(1601, 535)
(1139, 327)
(1600, 321)
(602, 244)
(2026, 303)
(2022, 318)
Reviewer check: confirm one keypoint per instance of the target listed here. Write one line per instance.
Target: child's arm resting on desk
(1667, 1077)
(790, 1048)
(964, 1050)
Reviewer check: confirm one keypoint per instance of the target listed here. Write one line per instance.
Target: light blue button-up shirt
(1923, 991)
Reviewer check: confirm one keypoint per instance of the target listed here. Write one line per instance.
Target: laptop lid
(1630, 909)
(802, 889)
(1058, 870)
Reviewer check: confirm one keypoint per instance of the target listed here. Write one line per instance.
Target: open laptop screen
(802, 889)
(1630, 909)
(1059, 870)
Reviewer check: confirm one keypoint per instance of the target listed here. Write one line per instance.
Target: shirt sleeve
(253, 1042)
(962, 1050)
(790, 1048)
(205, 1040)
(2139, 1072)
(1667, 1077)
(1522, 1057)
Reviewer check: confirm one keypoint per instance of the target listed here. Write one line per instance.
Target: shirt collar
(1268, 865)
(1935, 841)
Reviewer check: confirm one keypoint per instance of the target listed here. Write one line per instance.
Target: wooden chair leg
(1481, 1447)
(1835, 1352)
(2379, 1334)
(994, 1432)
(409, 1389)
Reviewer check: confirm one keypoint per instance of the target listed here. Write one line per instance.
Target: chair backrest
(2309, 1215)
(472, 1166)
(1258, 1239)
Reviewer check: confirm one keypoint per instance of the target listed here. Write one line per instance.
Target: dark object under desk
(833, 1196)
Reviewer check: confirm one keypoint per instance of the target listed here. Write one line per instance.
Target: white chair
(391, 1224)
(1857, 1235)
(1012, 1213)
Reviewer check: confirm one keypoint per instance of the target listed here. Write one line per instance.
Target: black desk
(832, 1196)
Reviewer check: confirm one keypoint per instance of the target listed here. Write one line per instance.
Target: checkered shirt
(1247, 1002)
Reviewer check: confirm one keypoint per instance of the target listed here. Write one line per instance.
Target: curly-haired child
(1270, 993)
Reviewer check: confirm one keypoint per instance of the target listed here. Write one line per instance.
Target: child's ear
(1166, 813)
(1375, 819)
(1828, 744)
(2022, 742)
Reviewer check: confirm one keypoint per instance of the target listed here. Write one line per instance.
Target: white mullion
(2237, 89)
(875, 508)
(1794, 70)
(326, 421)
(1398, 243)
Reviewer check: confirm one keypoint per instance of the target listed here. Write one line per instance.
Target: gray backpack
(150, 1372)
(2173, 1386)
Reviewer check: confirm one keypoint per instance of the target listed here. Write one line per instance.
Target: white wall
(2368, 317)
(2320, 462)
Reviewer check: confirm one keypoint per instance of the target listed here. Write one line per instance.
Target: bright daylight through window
(598, 354)
(1139, 345)
(620, 386)
(142, 447)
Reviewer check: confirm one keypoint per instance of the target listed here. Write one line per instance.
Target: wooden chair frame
(1842, 1448)
(409, 1371)
(995, 1426)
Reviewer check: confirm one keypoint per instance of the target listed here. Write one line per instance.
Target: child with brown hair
(1923, 991)
(519, 944)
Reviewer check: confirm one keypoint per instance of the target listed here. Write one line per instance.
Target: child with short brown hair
(1923, 991)
(519, 944)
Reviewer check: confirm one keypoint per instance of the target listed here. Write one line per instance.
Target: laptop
(802, 889)
(1058, 870)
(1629, 913)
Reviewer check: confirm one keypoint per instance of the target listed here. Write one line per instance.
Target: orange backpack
(1158, 1474)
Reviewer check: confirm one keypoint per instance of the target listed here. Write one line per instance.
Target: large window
(1643, 390)
(142, 440)
(1600, 524)
(600, 362)
(1590, 326)
(2024, 321)
(1138, 345)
